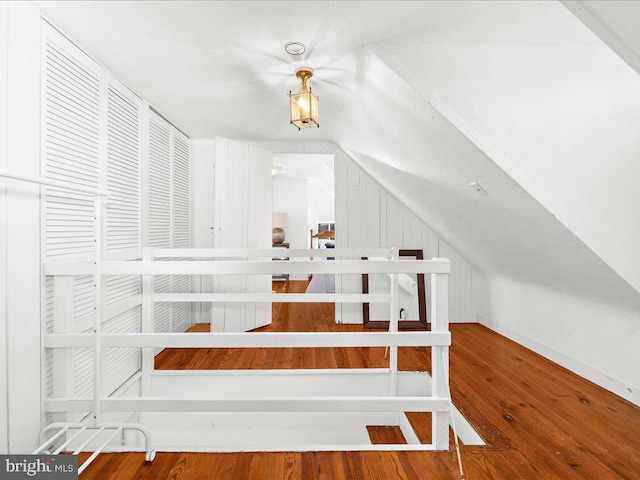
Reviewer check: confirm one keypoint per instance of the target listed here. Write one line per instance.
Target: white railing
(235, 262)
(439, 402)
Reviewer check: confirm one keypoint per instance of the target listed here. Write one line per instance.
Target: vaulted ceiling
(428, 97)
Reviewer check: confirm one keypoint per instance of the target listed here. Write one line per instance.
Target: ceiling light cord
(452, 419)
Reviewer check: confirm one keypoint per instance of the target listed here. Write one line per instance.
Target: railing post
(439, 357)
(147, 325)
(393, 327)
(98, 369)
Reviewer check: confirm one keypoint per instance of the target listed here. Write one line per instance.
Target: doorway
(303, 204)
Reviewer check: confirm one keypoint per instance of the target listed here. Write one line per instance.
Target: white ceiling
(219, 69)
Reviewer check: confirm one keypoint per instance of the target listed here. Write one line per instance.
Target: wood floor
(538, 419)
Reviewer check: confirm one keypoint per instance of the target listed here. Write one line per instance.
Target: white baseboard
(614, 385)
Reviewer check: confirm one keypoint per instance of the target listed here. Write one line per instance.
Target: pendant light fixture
(304, 105)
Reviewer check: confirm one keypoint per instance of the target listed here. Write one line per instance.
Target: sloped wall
(376, 218)
(556, 118)
(367, 215)
(561, 299)
(560, 121)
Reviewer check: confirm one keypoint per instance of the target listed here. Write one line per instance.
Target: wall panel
(242, 219)
(398, 227)
(375, 218)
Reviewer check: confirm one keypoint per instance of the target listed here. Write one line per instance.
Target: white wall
(425, 155)
(557, 118)
(376, 218)
(598, 341)
(203, 198)
(318, 170)
(21, 227)
(242, 219)
(368, 215)
(4, 414)
(562, 119)
(290, 195)
(203, 192)
(321, 206)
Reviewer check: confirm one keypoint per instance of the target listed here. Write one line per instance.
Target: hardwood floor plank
(373, 467)
(204, 466)
(310, 466)
(386, 435)
(242, 466)
(225, 466)
(331, 466)
(276, 465)
(392, 465)
(352, 463)
(258, 467)
(292, 466)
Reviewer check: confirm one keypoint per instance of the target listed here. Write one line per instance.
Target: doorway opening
(303, 204)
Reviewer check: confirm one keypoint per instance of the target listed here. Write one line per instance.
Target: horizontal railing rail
(251, 340)
(248, 267)
(261, 404)
(273, 297)
(357, 253)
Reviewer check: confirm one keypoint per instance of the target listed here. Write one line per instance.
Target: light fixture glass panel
(304, 109)
(315, 109)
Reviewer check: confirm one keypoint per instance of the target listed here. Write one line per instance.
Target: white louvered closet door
(71, 153)
(123, 224)
(91, 137)
(181, 224)
(159, 208)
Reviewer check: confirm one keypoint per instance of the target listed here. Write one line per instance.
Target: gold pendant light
(304, 105)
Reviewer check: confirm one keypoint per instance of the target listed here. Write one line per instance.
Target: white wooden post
(147, 324)
(63, 322)
(393, 327)
(98, 370)
(439, 365)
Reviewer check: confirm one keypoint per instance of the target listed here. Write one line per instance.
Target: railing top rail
(270, 252)
(251, 340)
(249, 267)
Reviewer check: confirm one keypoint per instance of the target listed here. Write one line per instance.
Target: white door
(242, 219)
